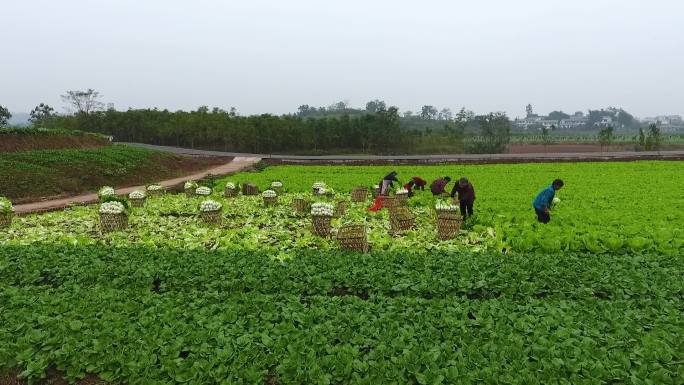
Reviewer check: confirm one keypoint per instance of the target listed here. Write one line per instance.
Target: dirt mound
(23, 142)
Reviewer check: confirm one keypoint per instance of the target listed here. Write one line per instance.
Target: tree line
(378, 129)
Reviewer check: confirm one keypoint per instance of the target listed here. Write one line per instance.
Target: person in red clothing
(417, 182)
(466, 196)
(438, 187)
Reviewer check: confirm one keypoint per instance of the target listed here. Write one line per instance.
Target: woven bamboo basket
(359, 194)
(300, 205)
(389, 202)
(401, 200)
(448, 226)
(437, 213)
(278, 190)
(321, 225)
(211, 217)
(155, 193)
(401, 219)
(5, 220)
(137, 202)
(340, 209)
(353, 237)
(230, 193)
(113, 222)
(250, 189)
(270, 201)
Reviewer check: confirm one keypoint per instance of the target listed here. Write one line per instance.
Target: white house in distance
(666, 123)
(577, 120)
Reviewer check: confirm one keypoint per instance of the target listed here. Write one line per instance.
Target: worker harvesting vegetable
(387, 182)
(438, 187)
(417, 182)
(385, 185)
(544, 200)
(466, 196)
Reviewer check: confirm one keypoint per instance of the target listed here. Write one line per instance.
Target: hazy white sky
(272, 56)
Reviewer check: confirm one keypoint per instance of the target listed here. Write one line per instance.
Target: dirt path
(235, 165)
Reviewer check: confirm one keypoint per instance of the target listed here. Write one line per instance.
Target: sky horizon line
(263, 55)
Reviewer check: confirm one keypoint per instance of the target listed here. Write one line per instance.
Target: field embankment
(31, 139)
(33, 175)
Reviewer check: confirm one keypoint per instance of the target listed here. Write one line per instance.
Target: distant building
(578, 120)
(606, 121)
(666, 123)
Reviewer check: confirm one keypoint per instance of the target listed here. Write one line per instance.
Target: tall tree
(428, 112)
(304, 110)
(642, 139)
(4, 116)
(41, 114)
(495, 131)
(606, 136)
(445, 114)
(558, 115)
(376, 105)
(83, 102)
(625, 119)
(653, 140)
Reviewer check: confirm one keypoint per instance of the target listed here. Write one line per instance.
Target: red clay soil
(20, 142)
(518, 148)
(590, 157)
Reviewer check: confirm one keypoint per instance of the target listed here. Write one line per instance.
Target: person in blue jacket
(542, 203)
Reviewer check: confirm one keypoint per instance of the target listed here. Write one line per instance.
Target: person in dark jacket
(542, 203)
(466, 196)
(387, 182)
(438, 187)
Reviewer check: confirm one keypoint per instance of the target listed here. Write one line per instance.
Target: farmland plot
(596, 296)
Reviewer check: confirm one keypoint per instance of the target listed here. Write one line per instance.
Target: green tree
(428, 112)
(495, 133)
(625, 119)
(642, 139)
(545, 136)
(605, 137)
(41, 114)
(558, 115)
(375, 106)
(4, 116)
(445, 114)
(653, 139)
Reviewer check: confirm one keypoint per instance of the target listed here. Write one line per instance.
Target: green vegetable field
(594, 297)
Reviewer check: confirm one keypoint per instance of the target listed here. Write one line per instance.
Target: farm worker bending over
(542, 203)
(385, 185)
(417, 182)
(466, 196)
(387, 182)
(438, 187)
